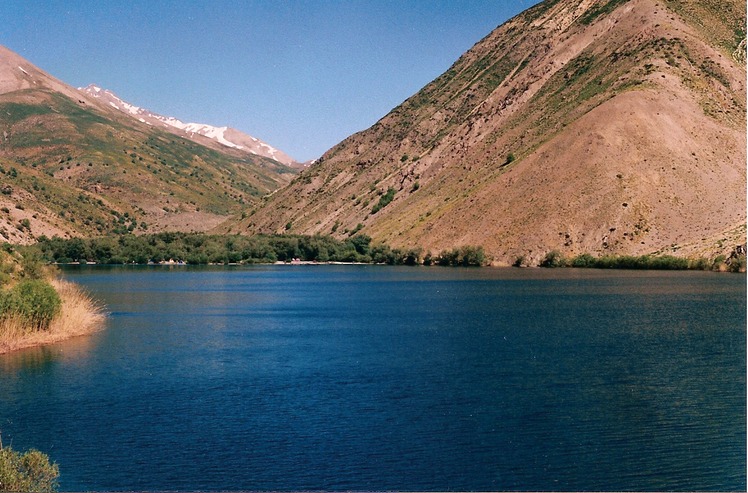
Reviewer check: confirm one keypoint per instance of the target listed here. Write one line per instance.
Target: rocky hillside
(593, 126)
(71, 165)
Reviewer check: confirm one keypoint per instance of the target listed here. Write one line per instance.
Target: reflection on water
(40, 358)
(376, 378)
(31, 359)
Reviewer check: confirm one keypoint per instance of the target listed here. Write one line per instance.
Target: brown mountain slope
(594, 126)
(73, 166)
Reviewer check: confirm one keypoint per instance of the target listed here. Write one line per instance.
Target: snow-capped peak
(224, 135)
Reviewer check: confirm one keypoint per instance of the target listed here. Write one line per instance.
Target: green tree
(29, 471)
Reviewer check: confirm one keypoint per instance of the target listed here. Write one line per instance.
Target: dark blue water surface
(380, 378)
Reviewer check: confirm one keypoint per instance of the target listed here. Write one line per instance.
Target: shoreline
(79, 315)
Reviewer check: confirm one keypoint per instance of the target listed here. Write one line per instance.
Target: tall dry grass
(79, 315)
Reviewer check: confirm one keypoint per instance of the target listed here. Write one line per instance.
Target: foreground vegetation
(200, 249)
(36, 307)
(26, 298)
(28, 471)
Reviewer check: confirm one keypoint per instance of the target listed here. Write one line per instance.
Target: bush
(466, 256)
(718, 262)
(35, 302)
(30, 471)
(700, 264)
(412, 256)
(738, 264)
(472, 256)
(553, 259)
(384, 200)
(32, 265)
(583, 260)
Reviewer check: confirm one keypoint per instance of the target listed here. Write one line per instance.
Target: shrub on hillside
(384, 200)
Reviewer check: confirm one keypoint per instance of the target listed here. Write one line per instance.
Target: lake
(392, 378)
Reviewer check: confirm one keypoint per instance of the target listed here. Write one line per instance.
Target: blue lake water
(387, 378)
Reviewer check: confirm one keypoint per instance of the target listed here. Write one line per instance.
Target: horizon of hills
(602, 127)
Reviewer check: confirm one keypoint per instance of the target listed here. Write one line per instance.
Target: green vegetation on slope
(85, 171)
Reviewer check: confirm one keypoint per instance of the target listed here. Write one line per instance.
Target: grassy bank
(37, 308)
(79, 315)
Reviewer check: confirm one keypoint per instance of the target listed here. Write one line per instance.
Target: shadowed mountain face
(606, 126)
(71, 165)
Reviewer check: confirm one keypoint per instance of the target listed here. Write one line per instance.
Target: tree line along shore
(203, 249)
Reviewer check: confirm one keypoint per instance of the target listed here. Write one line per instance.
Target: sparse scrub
(602, 8)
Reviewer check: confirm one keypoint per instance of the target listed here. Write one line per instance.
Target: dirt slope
(593, 126)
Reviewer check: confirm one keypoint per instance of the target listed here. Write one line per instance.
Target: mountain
(198, 132)
(72, 165)
(602, 127)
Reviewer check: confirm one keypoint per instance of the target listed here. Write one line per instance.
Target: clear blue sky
(300, 75)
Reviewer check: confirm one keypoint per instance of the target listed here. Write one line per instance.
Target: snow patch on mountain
(218, 134)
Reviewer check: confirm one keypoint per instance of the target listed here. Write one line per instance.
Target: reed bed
(79, 315)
